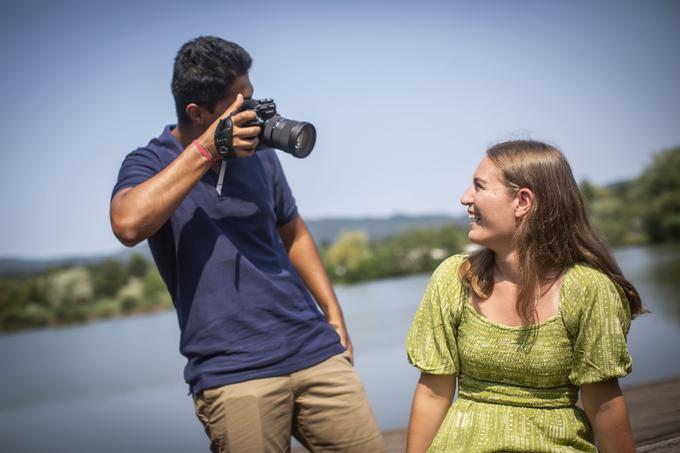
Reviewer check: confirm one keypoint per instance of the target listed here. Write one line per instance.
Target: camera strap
(220, 177)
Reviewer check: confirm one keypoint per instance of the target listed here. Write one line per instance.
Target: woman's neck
(506, 267)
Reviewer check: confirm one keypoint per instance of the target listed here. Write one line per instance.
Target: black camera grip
(224, 139)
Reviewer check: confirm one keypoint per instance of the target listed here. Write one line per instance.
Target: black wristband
(224, 138)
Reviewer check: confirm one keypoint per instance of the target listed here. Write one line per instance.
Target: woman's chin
(474, 238)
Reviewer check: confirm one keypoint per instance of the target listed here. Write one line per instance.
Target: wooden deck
(654, 415)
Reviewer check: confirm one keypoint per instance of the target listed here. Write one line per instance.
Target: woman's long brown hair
(553, 236)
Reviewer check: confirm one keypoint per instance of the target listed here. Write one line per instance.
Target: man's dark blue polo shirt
(244, 312)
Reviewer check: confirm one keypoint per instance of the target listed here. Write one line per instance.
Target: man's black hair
(205, 68)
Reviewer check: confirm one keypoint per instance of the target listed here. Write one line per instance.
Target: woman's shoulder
(586, 287)
(444, 292)
(447, 283)
(588, 275)
(448, 270)
(588, 282)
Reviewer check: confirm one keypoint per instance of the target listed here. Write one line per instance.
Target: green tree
(352, 258)
(452, 240)
(68, 291)
(613, 212)
(347, 254)
(108, 277)
(588, 192)
(420, 250)
(658, 194)
(137, 266)
(154, 290)
(23, 302)
(131, 296)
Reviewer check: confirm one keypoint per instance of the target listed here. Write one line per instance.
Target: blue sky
(406, 96)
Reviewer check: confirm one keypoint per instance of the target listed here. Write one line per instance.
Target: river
(115, 386)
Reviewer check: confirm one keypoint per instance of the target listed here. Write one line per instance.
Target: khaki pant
(324, 407)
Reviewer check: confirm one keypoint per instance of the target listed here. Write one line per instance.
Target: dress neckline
(551, 319)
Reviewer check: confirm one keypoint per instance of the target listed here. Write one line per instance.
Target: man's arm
(138, 212)
(606, 409)
(305, 257)
(431, 402)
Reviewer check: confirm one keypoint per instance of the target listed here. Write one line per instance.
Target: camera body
(291, 136)
(263, 108)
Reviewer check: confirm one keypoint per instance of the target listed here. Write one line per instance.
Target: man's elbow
(126, 232)
(127, 226)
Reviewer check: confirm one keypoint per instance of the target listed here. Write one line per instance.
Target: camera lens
(303, 138)
(294, 137)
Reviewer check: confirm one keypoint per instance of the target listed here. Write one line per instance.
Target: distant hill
(25, 266)
(325, 231)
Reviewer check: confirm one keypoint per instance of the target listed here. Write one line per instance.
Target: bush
(68, 291)
(131, 296)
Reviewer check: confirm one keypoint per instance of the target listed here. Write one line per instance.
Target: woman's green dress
(518, 386)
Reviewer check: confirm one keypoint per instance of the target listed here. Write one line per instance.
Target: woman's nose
(466, 199)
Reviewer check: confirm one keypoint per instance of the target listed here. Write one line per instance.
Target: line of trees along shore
(645, 210)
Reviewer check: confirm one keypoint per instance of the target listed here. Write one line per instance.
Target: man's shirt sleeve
(284, 202)
(137, 167)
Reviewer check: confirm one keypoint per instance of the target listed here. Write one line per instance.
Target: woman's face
(491, 207)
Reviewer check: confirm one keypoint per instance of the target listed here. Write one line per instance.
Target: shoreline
(654, 411)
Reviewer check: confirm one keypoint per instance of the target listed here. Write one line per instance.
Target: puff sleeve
(601, 320)
(431, 341)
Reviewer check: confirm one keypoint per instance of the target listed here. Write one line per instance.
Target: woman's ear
(525, 200)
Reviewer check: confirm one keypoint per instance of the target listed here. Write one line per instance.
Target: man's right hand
(244, 139)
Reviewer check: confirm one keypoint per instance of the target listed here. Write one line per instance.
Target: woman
(540, 312)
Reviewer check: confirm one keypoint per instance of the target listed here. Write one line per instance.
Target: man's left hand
(344, 337)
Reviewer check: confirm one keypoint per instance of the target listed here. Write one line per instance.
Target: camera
(294, 137)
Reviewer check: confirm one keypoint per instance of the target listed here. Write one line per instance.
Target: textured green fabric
(518, 386)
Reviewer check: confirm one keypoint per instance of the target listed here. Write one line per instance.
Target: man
(240, 264)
